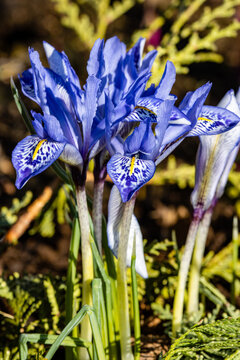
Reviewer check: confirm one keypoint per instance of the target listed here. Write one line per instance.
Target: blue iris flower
(72, 123)
(162, 127)
(215, 157)
(135, 159)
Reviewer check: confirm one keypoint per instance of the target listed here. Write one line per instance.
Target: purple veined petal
(214, 120)
(167, 81)
(115, 212)
(129, 174)
(96, 63)
(146, 109)
(33, 155)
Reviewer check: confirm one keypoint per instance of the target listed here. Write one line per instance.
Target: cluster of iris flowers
(126, 126)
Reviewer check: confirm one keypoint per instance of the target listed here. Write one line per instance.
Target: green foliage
(216, 340)
(194, 26)
(55, 213)
(8, 216)
(29, 303)
(163, 277)
(198, 27)
(91, 18)
(181, 175)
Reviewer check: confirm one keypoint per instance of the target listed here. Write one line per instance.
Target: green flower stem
(182, 276)
(123, 306)
(70, 303)
(97, 212)
(235, 247)
(137, 326)
(96, 285)
(109, 303)
(195, 269)
(87, 258)
(72, 271)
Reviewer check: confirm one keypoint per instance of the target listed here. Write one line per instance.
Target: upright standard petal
(33, 155)
(96, 64)
(90, 107)
(115, 211)
(129, 174)
(114, 50)
(167, 81)
(60, 64)
(192, 103)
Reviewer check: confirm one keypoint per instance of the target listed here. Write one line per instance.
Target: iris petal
(129, 174)
(27, 84)
(214, 120)
(60, 64)
(95, 65)
(146, 109)
(167, 81)
(33, 155)
(115, 211)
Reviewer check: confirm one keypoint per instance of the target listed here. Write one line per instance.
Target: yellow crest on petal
(204, 119)
(38, 148)
(132, 165)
